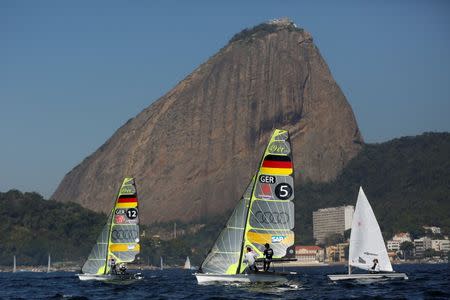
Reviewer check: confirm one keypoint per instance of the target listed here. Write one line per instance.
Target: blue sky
(72, 72)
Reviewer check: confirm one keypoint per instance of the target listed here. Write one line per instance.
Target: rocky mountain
(194, 150)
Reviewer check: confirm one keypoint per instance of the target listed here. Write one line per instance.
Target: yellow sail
(123, 244)
(270, 217)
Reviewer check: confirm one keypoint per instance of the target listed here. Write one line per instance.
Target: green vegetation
(174, 251)
(333, 239)
(32, 228)
(407, 248)
(406, 180)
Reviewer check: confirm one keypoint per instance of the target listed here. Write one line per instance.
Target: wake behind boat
(118, 243)
(264, 215)
(367, 249)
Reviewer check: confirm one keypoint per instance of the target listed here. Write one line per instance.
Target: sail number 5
(283, 191)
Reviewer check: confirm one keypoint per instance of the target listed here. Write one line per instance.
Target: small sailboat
(48, 264)
(118, 243)
(161, 264)
(367, 247)
(264, 214)
(187, 264)
(14, 265)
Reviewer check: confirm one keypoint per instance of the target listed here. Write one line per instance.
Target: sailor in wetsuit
(268, 254)
(375, 268)
(123, 269)
(112, 263)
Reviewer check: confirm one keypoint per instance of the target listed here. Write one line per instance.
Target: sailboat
(161, 266)
(14, 265)
(48, 264)
(264, 214)
(187, 264)
(118, 243)
(366, 246)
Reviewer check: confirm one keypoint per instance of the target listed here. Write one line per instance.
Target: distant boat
(187, 264)
(161, 266)
(48, 264)
(14, 265)
(265, 214)
(118, 243)
(366, 245)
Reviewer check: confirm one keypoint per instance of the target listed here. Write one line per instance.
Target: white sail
(366, 241)
(161, 266)
(48, 264)
(14, 265)
(187, 264)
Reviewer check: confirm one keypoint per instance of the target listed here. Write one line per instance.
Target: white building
(440, 245)
(397, 240)
(433, 229)
(420, 245)
(332, 220)
(309, 254)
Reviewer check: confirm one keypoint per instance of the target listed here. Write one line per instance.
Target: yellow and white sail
(119, 239)
(271, 212)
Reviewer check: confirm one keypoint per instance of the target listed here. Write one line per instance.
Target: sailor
(268, 253)
(122, 268)
(112, 263)
(375, 267)
(250, 257)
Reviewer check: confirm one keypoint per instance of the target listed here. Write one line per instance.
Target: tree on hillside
(333, 239)
(407, 248)
(431, 253)
(347, 234)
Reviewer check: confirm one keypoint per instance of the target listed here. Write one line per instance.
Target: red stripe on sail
(127, 200)
(277, 164)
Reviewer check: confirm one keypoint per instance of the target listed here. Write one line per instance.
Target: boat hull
(246, 278)
(109, 278)
(370, 276)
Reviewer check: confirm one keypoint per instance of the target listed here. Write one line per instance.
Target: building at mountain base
(331, 220)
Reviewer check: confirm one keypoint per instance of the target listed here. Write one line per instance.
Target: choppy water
(425, 282)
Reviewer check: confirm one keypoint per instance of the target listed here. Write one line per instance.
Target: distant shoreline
(43, 269)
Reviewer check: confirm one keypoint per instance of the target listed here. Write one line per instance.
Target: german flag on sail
(277, 165)
(127, 201)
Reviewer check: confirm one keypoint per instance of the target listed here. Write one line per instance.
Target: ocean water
(425, 282)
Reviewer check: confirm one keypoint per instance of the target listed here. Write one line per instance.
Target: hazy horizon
(74, 72)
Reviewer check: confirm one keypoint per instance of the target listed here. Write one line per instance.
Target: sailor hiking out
(250, 259)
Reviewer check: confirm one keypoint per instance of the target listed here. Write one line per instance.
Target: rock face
(194, 150)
